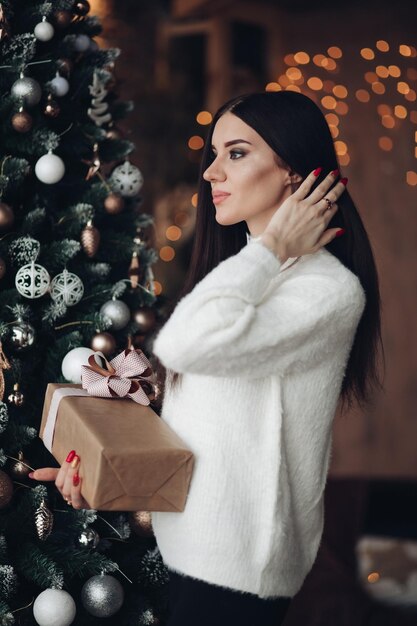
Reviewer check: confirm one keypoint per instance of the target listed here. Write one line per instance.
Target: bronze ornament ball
(2, 268)
(141, 523)
(63, 18)
(6, 489)
(81, 7)
(22, 122)
(114, 203)
(145, 318)
(105, 343)
(6, 217)
(52, 108)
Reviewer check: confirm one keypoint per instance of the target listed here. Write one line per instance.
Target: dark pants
(197, 603)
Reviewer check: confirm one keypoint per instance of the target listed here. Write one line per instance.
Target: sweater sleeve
(229, 326)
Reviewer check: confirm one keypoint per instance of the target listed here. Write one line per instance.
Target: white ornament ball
(54, 607)
(32, 280)
(118, 312)
(74, 359)
(67, 288)
(82, 43)
(126, 179)
(28, 89)
(59, 86)
(49, 168)
(44, 31)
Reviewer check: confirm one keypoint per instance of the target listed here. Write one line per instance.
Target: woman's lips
(219, 197)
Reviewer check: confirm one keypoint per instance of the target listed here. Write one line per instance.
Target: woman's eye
(236, 154)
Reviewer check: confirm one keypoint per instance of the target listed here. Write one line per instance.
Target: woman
(278, 319)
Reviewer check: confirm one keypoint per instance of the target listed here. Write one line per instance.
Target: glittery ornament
(4, 365)
(6, 217)
(59, 86)
(50, 168)
(19, 469)
(117, 311)
(28, 90)
(6, 489)
(23, 335)
(52, 108)
(88, 538)
(126, 179)
(102, 595)
(145, 318)
(62, 18)
(67, 288)
(2, 268)
(22, 122)
(54, 607)
(90, 239)
(16, 397)
(44, 521)
(32, 280)
(105, 343)
(44, 31)
(141, 523)
(114, 204)
(81, 7)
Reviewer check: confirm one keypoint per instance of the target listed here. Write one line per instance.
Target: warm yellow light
(411, 178)
(405, 50)
(415, 136)
(340, 147)
(373, 577)
(342, 108)
(362, 95)
(302, 57)
(328, 86)
(344, 159)
(181, 218)
(334, 131)
(195, 142)
(340, 91)
(157, 287)
(413, 117)
(385, 143)
(315, 83)
(384, 109)
(284, 80)
(403, 87)
(204, 118)
(331, 118)
(334, 52)
(378, 87)
(167, 253)
(411, 96)
(388, 121)
(370, 77)
(413, 51)
(293, 73)
(194, 199)
(328, 102)
(289, 59)
(318, 59)
(173, 233)
(394, 71)
(293, 88)
(329, 64)
(367, 54)
(400, 111)
(272, 87)
(383, 46)
(382, 71)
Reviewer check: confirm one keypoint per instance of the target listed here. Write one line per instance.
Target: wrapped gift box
(131, 460)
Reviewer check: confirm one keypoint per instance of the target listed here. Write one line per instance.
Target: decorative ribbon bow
(128, 374)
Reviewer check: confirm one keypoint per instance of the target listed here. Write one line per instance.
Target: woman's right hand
(67, 480)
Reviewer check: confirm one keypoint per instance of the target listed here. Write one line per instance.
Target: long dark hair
(297, 131)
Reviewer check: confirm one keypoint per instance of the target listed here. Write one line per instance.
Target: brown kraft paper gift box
(131, 460)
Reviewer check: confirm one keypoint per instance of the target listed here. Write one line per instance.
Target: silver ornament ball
(82, 43)
(44, 31)
(118, 312)
(88, 538)
(126, 179)
(27, 89)
(50, 168)
(59, 86)
(23, 335)
(54, 607)
(102, 595)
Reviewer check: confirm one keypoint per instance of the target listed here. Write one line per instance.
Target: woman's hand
(299, 225)
(67, 480)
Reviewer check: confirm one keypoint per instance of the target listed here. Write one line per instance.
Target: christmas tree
(75, 276)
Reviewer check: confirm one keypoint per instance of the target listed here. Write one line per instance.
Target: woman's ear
(295, 178)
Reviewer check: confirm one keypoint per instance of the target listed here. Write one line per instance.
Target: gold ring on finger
(329, 204)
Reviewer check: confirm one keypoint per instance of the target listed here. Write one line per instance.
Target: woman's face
(247, 183)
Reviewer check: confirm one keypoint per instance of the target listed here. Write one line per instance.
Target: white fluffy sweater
(263, 347)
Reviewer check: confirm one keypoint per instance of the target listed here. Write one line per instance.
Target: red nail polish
(340, 232)
(70, 456)
(76, 480)
(335, 173)
(344, 181)
(317, 171)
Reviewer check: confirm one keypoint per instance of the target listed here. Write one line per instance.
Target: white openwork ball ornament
(67, 288)
(50, 168)
(44, 31)
(59, 86)
(126, 179)
(74, 359)
(54, 607)
(32, 280)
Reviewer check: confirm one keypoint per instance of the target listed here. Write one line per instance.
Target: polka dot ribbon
(129, 374)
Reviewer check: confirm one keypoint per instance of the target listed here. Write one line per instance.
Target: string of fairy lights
(317, 76)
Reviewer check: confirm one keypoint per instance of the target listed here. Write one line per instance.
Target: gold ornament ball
(6, 489)
(62, 18)
(141, 523)
(52, 109)
(114, 203)
(145, 318)
(2, 268)
(105, 343)
(19, 469)
(22, 122)
(6, 217)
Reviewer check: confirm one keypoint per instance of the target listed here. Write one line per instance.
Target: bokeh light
(194, 199)
(370, 77)
(383, 46)
(315, 83)
(334, 52)
(181, 218)
(204, 118)
(167, 253)
(382, 71)
(195, 142)
(289, 59)
(173, 233)
(318, 59)
(293, 88)
(340, 147)
(394, 71)
(157, 287)
(273, 87)
(362, 95)
(385, 143)
(367, 54)
(378, 88)
(411, 178)
(405, 50)
(294, 73)
(302, 57)
(388, 121)
(328, 102)
(344, 159)
(340, 91)
(341, 108)
(332, 118)
(400, 111)
(403, 87)
(373, 577)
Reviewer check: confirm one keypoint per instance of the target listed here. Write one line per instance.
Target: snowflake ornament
(126, 179)
(67, 288)
(32, 280)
